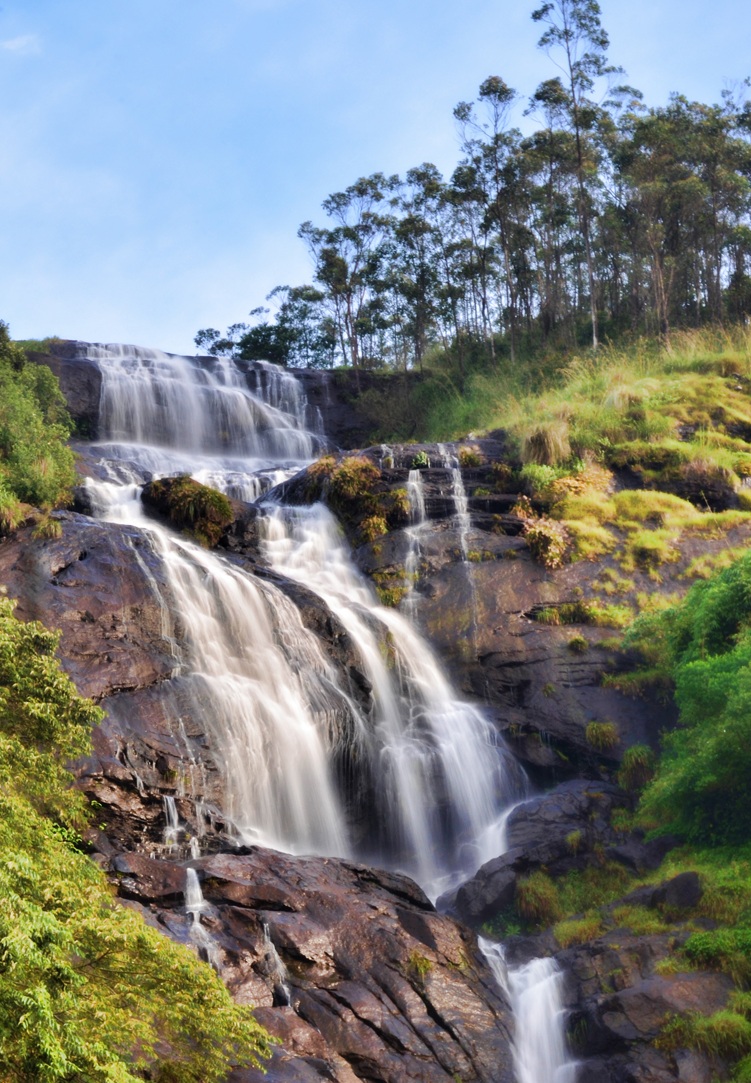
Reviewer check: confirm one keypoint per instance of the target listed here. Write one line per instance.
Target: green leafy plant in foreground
(87, 990)
(703, 645)
(36, 466)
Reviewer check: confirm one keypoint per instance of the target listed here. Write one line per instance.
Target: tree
(36, 465)
(347, 256)
(574, 27)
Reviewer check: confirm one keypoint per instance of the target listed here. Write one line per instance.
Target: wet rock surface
(350, 967)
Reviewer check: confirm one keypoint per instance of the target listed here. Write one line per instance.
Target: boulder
(380, 986)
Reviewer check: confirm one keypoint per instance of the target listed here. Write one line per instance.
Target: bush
(602, 736)
(537, 900)
(547, 444)
(88, 991)
(704, 646)
(637, 768)
(547, 541)
(203, 512)
(36, 465)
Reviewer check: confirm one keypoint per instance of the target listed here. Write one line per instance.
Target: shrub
(375, 526)
(547, 444)
(725, 1034)
(421, 461)
(36, 466)
(537, 900)
(602, 736)
(578, 930)
(469, 456)
(578, 644)
(88, 990)
(203, 512)
(728, 950)
(547, 541)
(637, 768)
(704, 646)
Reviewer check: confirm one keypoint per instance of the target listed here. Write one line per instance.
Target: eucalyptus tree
(491, 161)
(574, 30)
(346, 255)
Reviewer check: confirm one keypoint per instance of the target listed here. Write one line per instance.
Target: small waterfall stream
(415, 778)
(535, 994)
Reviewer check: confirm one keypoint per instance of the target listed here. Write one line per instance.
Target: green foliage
(602, 736)
(547, 540)
(725, 1034)
(578, 644)
(578, 930)
(204, 512)
(421, 461)
(88, 991)
(547, 444)
(354, 488)
(639, 920)
(703, 645)
(537, 900)
(419, 965)
(637, 768)
(585, 612)
(469, 456)
(728, 950)
(36, 466)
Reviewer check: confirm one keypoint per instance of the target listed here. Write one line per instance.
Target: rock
(683, 892)
(639, 1012)
(381, 986)
(80, 383)
(558, 830)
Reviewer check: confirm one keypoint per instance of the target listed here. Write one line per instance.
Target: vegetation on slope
(36, 466)
(87, 990)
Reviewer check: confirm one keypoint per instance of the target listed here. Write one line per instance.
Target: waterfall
(407, 775)
(417, 518)
(172, 827)
(440, 771)
(195, 905)
(276, 971)
(535, 993)
(459, 494)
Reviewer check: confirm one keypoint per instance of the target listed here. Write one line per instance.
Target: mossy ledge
(196, 509)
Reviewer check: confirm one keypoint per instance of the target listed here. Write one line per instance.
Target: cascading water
(417, 519)
(535, 993)
(195, 905)
(438, 769)
(423, 776)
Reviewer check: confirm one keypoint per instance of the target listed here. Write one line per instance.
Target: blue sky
(158, 156)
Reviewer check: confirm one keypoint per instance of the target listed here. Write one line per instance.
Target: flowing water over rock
(405, 774)
(535, 993)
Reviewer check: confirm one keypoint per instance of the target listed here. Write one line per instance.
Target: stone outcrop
(350, 967)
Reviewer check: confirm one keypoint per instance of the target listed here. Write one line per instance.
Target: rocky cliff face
(352, 968)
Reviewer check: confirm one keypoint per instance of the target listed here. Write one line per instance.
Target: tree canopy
(603, 218)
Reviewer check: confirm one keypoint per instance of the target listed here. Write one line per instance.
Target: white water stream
(535, 992)
(413, 777)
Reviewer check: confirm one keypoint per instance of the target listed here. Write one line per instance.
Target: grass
(578, 930)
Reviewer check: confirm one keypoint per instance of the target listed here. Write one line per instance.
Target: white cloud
(24, 45)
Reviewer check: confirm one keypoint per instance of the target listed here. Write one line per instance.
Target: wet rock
(381, 986)
(557, 831)
(80, 383)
